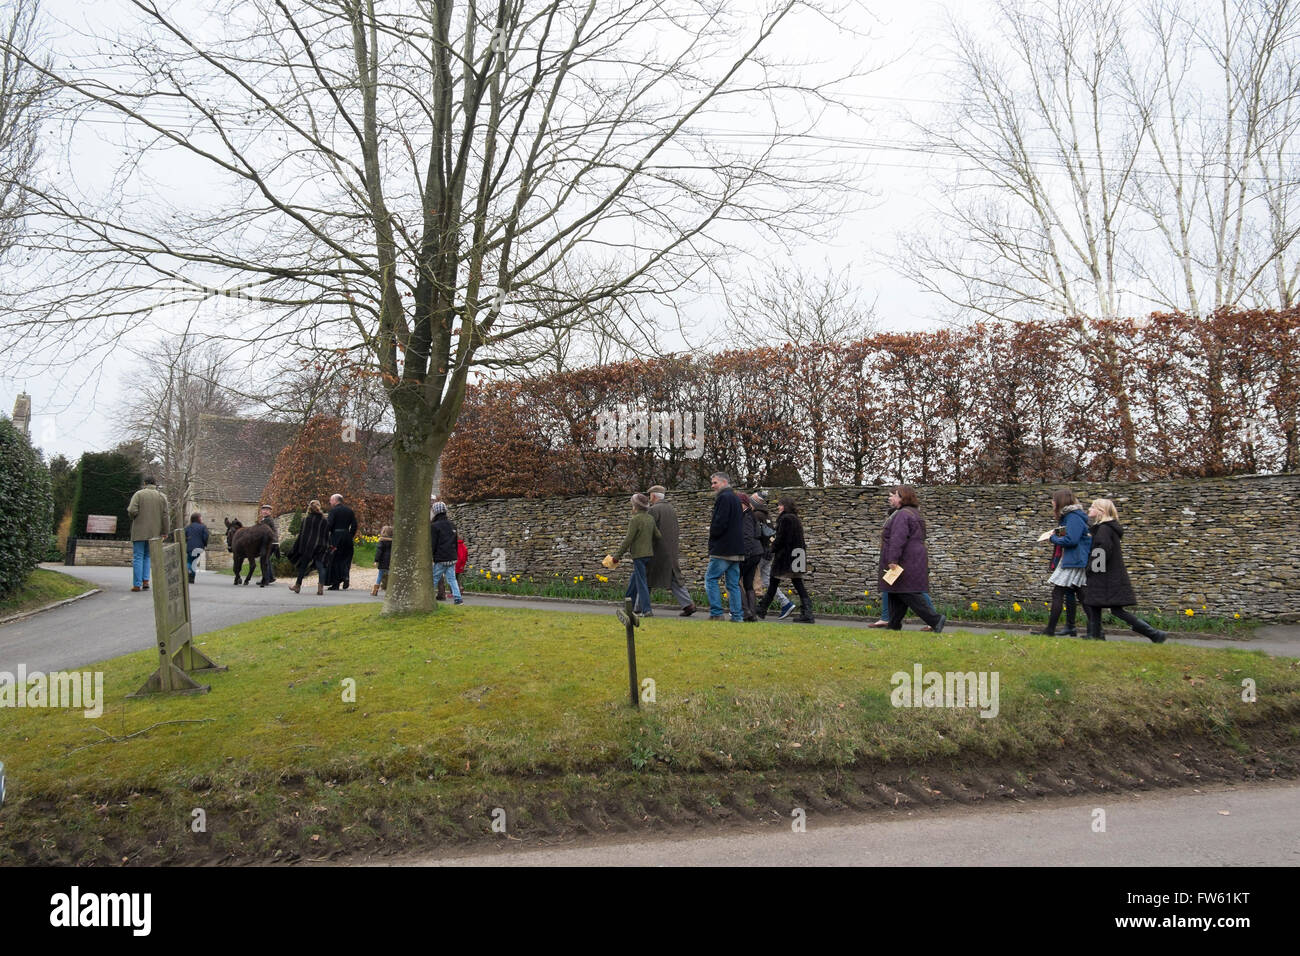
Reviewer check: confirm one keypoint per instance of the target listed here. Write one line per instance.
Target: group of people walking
(1086, 566)
(744, 549)
(325, 542)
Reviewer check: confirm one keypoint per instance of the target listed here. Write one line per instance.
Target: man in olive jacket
(642, 534)
(148, 510)
(665, 569)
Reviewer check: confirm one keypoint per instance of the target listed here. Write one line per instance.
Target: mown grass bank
(41, 588)
(471, 708)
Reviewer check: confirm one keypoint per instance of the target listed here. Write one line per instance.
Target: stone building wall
(1227, 543)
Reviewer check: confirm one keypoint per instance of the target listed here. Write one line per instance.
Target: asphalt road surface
(1240, 826)
(119, 621)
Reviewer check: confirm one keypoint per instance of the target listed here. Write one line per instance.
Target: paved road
(119, 621)
(1240, 826)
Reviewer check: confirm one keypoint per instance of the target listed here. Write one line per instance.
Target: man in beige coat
(148, 510)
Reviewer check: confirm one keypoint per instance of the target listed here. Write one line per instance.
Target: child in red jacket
(462, 559)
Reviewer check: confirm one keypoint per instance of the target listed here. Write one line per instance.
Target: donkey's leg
(239, 566)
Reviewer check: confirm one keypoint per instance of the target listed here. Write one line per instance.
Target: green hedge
(105, 483)
(26, 504)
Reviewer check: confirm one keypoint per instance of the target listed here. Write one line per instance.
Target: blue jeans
(379, 578)
(884, 604)
(717, 568)
(447, 570)
(139, 563)
(638, 586)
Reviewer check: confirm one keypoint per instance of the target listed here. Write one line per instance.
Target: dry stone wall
(1228, 544)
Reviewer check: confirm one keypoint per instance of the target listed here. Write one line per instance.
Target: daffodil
(1236, 615)
(974, 605)
(1189, 612)
(1016, 607)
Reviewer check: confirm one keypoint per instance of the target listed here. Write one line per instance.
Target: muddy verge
(310, 821)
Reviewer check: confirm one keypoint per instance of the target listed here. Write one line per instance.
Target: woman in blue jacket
(1071, 546)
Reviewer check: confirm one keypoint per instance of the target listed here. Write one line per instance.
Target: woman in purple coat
(902, 545)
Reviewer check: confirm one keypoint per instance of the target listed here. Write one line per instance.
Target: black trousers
(305, 565)
(774, 585)
(901, 602)
(748, 568)
(1132, 620)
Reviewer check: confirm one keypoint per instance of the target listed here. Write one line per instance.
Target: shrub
(28, 504)
(282, 566)
(295, 523)
(105, 483)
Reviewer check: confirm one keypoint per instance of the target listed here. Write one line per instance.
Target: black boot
(805, 615)
(1050, 630)
(1152, 634)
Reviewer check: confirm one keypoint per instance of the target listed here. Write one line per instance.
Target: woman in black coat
(309, 548)
(753, 555)
(1108, 581)
(788, 552)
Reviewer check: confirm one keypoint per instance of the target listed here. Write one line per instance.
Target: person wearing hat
(148, 511)
(264, 517)
(665, 567)
(642, 535)
(442, 538)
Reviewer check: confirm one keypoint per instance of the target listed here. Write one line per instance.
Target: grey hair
(723, 475)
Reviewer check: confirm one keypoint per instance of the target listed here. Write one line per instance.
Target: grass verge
(467, 709)
(43, 587)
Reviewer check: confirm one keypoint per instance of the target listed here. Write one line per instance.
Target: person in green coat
(642, 533)
(149, 519)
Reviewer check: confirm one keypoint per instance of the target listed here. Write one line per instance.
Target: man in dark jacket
(726, 548)
(442, 537)
(341, 526)
(196, 542)
(665, 566)
(264, 517)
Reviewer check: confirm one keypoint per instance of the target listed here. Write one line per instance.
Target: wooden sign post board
(101, 524)
(177, 655)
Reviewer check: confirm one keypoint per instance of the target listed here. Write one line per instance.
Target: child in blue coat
(1072, 545)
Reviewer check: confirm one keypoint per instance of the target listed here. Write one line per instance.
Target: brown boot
(320, 589)
(374, 592)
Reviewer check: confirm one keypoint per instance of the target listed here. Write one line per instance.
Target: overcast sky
(72, 406)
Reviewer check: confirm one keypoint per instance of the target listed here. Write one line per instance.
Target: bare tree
(812, 315)
(406, 180)
(1222, 190)
(24, 94)
(164, 397)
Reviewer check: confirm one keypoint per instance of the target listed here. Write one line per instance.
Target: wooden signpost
(177, 655)
(101, 524)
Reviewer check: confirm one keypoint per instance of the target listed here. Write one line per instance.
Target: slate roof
(236, 457)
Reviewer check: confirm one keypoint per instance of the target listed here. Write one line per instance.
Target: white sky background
(72, 406)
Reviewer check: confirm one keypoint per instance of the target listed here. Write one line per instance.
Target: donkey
(257, 542)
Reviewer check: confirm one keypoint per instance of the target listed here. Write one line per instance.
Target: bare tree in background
(1047, 149)
(407, 180)
(24, 94)
(812, 316)
(1225, 182)
(165, 395)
